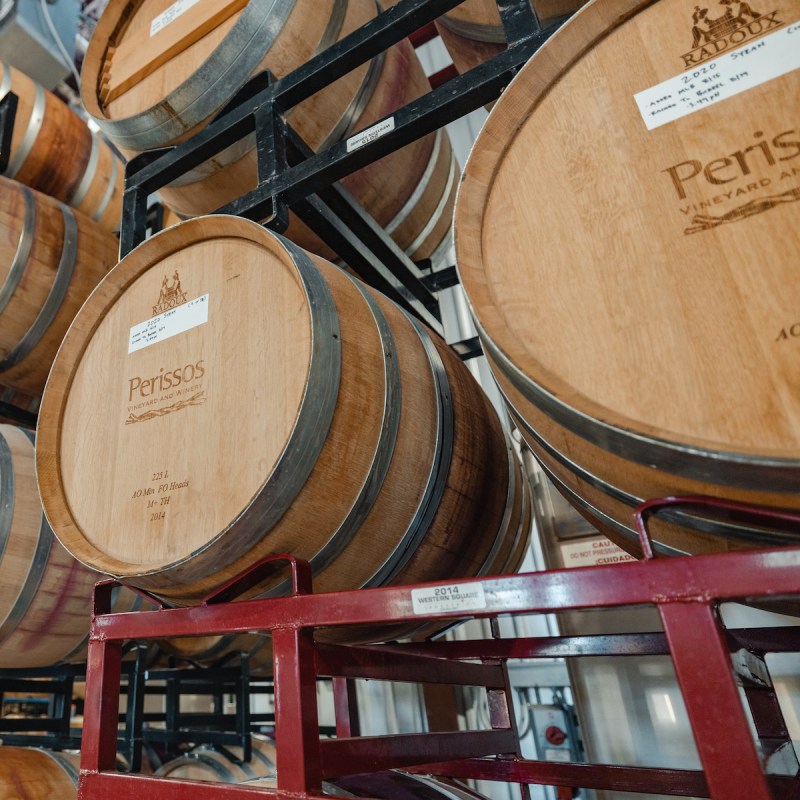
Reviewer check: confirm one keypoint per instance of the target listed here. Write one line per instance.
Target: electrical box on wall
(552, 734)
(555, 738)
(27, 43)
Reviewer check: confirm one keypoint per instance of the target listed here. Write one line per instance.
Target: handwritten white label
(731, 74)
(170, 15)
(448, 597)
(370, 134)
(169, 324)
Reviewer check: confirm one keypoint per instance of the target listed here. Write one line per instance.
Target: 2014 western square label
(448, 597)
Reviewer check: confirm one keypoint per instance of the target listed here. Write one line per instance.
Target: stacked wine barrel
(351, 418)
(56, 243)
(153, 77)
(36, 774)
(284, 408)
(52, 257)
(28, 773)
(205, 764)
(627, 233)
(45, 594)
(53, 151)
(60, 201)
(473, 32)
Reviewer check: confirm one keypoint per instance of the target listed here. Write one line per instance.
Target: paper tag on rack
(370, 134)
(170, 323)
(448, 597)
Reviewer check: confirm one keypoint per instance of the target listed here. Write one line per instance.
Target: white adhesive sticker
(731, 74)
(592, 553)
(169, 324)
(448, 597)
(170, 15)
(370, 134)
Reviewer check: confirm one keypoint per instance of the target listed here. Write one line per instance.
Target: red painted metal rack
(709, 662)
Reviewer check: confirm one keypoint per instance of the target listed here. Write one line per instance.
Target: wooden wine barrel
(205, 764)
(53, 151)
(473, 32)
(290, 410)
(466, 52)
(28, 773)
(396, 785)
(169, 219)
(51, 257)
(479, 20)
(33, 774)
(629, 246)
(151, 79)
(45, 594)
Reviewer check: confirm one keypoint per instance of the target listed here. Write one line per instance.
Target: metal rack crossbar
(218, 728)
(686, 591)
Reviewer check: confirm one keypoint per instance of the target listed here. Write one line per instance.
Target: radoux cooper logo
(171, 295)
(737, 23)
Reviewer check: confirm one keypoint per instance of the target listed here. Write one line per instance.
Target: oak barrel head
(174, 392)
(627, 233)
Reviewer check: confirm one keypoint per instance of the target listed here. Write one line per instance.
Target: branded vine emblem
(171, 295)
(730, 24)
(756, 178)
(196, 400)
(704, 222)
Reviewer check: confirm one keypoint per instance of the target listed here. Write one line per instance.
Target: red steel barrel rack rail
(686, 591)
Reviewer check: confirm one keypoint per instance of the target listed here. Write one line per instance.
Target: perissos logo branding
(173, 387)
(726, 26)
(755, 177)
